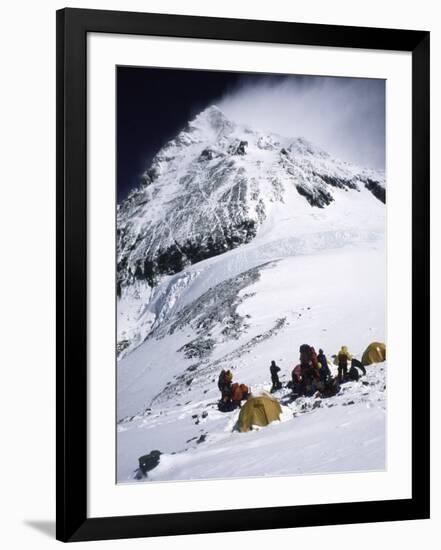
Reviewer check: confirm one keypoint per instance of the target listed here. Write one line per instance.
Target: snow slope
(304, 272)
(339, 434)
(160, 389)
(344, 438)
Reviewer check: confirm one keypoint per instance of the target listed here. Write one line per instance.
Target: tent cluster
(312, 376)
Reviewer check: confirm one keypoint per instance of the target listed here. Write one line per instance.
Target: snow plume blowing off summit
(240, 245)
(344, 116)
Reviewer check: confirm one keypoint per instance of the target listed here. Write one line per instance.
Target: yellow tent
(258, 411)
(374, 353)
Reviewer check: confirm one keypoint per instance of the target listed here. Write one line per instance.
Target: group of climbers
(232, 394)
(311, 376)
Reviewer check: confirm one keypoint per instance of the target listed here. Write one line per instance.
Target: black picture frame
(72, 28)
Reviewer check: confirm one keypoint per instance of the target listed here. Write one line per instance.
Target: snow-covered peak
(212, 120)
(301, 146)
(219, 185)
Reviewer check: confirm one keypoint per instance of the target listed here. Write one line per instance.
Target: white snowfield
(309, 275)
(344, 434)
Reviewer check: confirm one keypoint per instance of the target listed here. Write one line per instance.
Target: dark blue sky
(153, 105)
(345, 116)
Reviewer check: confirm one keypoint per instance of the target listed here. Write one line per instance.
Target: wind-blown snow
(230, 256)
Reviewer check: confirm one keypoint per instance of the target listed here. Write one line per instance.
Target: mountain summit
(210, 189)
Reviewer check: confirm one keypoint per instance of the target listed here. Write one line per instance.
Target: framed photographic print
(242, 233)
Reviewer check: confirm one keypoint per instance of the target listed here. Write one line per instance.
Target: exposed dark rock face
(340, 183)
(315, 196)
(238, 147)
(121, 346)
(215, 319)
(209, 154)
(147, 462)
(216, 307)
(199, 348)
(178, 256)
(376, 189)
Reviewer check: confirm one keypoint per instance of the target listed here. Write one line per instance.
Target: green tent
(374, 353)
(259, 411)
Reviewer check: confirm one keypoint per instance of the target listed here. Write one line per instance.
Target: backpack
(359, 365)
(236, 392)
(342, 358)
(314, 359)
(353, 374)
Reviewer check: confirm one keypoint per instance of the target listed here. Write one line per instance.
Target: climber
(343, 356)
(297, 382)
(310, 369)
(224, 383)
(325, 372)
(274, 369)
